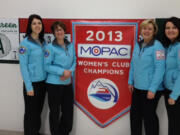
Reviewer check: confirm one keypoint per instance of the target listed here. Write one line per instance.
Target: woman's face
(36, 26)
(147, 31)
(59, 33)
(171, 31)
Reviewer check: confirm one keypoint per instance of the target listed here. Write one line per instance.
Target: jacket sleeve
(23, 59)
(176, 88)
(159, 65)
(72, 69)
(131, 70)
(48, 62)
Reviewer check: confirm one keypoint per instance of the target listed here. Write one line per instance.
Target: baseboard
(10, 132)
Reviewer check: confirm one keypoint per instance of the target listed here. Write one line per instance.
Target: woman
(172, 73)
(145, 80)
(60, 62)
(31, 57)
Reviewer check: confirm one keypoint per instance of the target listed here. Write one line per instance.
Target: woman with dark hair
(31, 57)
(60, 63)
(172, 74)
(145, 80)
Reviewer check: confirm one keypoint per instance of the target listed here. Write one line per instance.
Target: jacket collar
(56, 43)
(34, 41)
(151, 43)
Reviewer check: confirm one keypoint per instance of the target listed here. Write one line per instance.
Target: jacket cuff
(173, 96)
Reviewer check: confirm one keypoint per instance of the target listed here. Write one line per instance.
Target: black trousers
(173, 112)
(33, 108)
(143, 109)
(60, 99)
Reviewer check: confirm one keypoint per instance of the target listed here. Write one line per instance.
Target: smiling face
(148, 32)
(36, 26)
(59, 33)
(171, 31)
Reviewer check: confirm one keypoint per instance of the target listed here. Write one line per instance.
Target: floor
(2, 132)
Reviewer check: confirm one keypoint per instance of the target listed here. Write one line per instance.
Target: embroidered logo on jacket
(46, 54)
(22, 50)
(160, 55)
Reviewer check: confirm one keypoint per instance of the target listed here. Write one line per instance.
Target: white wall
(11, 100)
(90, 8)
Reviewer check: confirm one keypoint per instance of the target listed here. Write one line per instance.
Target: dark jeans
(33, 108)
(60, 99)
(173, 112)
(144, 109)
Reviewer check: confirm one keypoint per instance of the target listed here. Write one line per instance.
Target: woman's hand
(131, 87)
(66, 75)
(150, 95)
(30, 93)
(171, 101)
(63, 78)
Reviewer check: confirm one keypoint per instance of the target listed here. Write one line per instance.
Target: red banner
(103, 52)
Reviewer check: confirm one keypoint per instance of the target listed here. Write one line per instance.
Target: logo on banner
(104, 51)
(103, 93)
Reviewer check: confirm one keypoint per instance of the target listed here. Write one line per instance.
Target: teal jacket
(172, 73)
(58, 59)
(147, 66)
(31, 58)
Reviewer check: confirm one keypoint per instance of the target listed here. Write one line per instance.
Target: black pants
(143, 109)
(173, 112)
(33, 108)
(60, 98)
